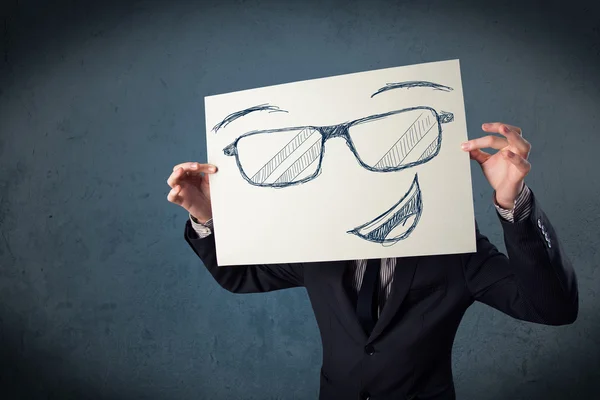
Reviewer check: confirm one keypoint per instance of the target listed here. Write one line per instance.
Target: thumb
(479, 156)
(205, 183)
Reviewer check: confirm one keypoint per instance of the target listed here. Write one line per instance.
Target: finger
(490, 141)
(494, 127)
(185, 165)
(515, 139)
(479, 156)
(196, 167)
(514, 134)
(522, 164)
(175, 177)
(174, 197)
(181, 173)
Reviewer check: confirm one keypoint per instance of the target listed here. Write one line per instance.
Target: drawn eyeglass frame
(343, 130)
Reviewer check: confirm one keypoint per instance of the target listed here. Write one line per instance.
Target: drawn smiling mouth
(398, 222)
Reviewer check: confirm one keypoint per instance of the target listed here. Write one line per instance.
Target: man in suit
(387, 326)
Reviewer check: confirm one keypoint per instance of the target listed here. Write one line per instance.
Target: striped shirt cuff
(203, 230)
(522, 207)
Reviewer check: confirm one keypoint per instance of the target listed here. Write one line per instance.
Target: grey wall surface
(100, 296)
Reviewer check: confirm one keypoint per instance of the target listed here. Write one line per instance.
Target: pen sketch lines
(407, 142)
(298, 159)
(238, 114)
(429, 151)
(301, 164)
(445, 117)
(391, 227)
(412, 84)
(298, 162)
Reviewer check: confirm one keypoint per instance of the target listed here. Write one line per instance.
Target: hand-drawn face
(288, 156)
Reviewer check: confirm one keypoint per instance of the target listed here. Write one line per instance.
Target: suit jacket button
(365, 396)
(370, 350)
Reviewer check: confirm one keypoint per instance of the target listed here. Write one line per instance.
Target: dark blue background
(101, 298)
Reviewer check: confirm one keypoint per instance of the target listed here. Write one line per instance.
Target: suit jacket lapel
(403, 277)
(342, 302)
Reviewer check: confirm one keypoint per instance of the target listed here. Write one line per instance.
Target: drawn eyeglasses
(289, 156)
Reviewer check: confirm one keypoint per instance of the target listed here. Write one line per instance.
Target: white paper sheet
(306, 170)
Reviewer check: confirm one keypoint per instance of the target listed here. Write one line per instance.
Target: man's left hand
(506, 169)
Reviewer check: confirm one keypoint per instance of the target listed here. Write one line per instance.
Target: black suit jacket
(408, 355)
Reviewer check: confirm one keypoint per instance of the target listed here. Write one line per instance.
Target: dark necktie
(366, 305)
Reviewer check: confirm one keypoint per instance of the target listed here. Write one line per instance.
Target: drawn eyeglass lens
(280, 158)
(397, 140)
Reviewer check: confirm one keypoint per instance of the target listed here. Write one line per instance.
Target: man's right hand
(191, 190)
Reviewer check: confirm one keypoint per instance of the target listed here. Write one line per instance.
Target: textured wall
(100, 297)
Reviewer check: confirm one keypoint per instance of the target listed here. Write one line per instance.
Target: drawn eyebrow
(412, 84)
(238, 114)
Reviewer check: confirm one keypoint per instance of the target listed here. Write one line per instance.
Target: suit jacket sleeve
(535, 282)
(244, 278)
